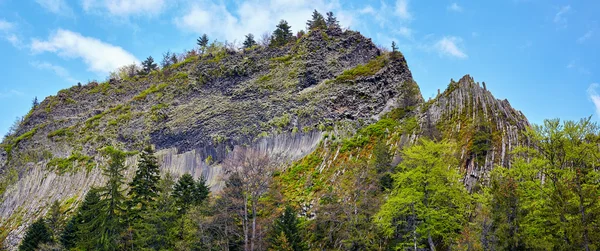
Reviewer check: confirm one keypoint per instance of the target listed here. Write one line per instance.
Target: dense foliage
(546, 200)
(375, 195)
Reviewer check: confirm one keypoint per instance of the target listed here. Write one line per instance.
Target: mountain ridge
(286, 101)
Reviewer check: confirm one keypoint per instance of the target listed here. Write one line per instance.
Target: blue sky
(540, 55)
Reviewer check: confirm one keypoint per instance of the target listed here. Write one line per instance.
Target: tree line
(547, 199)
(281, 36)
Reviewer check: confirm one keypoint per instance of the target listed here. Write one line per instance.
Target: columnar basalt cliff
(283, 101)
(487, 129)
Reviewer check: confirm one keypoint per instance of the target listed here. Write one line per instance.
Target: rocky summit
(312, 99)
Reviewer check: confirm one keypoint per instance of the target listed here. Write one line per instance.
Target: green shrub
(152, 89)
(368, 69)
(93, 121)
(410, 125)
(72, 163)
(281, 122)
(103, 87)
(61, 133)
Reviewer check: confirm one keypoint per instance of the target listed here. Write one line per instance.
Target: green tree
(506, 207)
(317, 22)
(144, 187)
(427, 205)
(229, 214)
(249, 41)
(35, 103)
(149, 65)
(37, 234)
(332, 22)
(558, 185)
(87, 225)
(188, 193)
(166, 60)
(55, 218)
(286, 232)
(157, 229)
(112, 200)
(202, 42)
(282, 34)
(382, 159)
(281, 243)
(68, 236)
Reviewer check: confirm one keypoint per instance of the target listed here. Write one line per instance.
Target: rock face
(276, 100)
(486, 129)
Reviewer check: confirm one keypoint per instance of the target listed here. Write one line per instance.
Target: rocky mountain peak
(280, 100)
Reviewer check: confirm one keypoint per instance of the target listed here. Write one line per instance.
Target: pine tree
(54, 218)
(286, 232)
(428, 202)
(38, 233)
(282, 34)
(184, 192)
(144, 187)
(112, 199)
(202, 42)
(166, 60)
(317, 22)
(202, 191)
(155, 232)
(249, 42)
(174, 59)
(281, 243)
(332, 22)
(395, 53)
(148, 65)
(68, 237)
(87, 223)
(35, 103)
(188, 193)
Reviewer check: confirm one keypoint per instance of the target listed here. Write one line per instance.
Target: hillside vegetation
(314, 141)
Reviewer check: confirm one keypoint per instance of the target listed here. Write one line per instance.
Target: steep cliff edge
(316, 101)
(195, 112)
(486, 129)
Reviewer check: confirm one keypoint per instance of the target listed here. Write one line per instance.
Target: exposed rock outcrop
(278, 100)
(282, 101)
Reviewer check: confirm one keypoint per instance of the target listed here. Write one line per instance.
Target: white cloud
(5, 25)
(58, 70)
(258, 17)
(367, 10)
(594, 97)
(560, 18)
(402, 9)
(10, 93)
(99, 56)
(405, 32)
(585, 37)
(58, 7)
(7, 31)
(455, 7)
(125, 8)
(448, 46)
